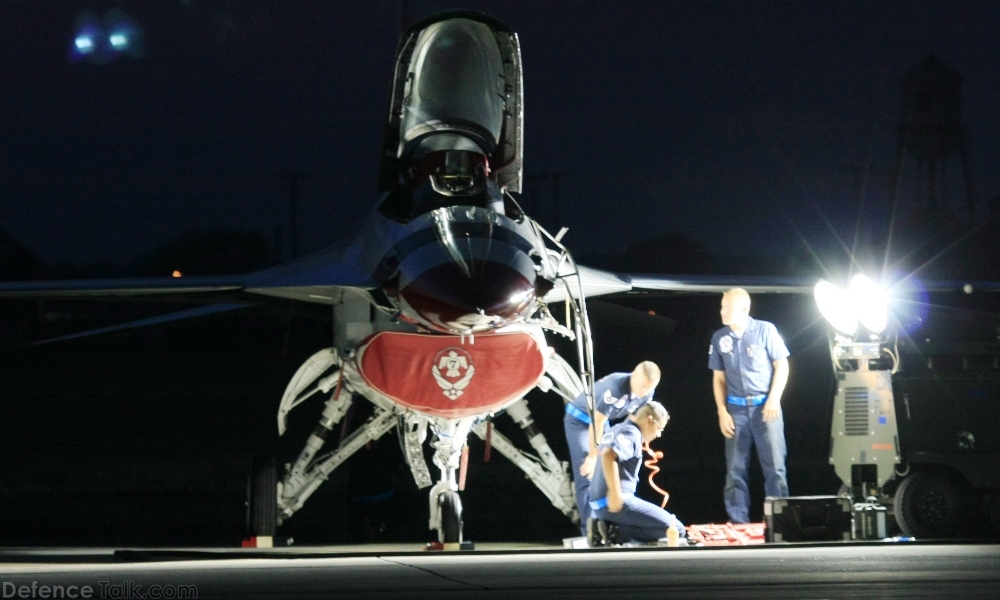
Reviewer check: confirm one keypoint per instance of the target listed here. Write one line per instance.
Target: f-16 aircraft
(441, 303)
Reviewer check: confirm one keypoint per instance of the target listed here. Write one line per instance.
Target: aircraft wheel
(451, 517)
(262, 498)
(930, 504)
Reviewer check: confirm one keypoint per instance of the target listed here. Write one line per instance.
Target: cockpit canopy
(453, 136)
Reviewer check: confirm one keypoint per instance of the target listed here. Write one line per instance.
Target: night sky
(701, 118)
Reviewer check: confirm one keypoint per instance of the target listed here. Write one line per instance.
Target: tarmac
(833, 570)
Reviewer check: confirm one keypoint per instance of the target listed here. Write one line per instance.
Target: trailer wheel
(994, 510)
(451, 517)
(262, 498)
(930, 504)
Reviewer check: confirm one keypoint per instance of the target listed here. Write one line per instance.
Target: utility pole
(293, 208)
(404, 16)
(554, 177)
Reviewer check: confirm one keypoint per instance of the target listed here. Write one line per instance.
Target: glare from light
(519, 297)
(177, 274)
(836, 307)
(869, 303)
(84, 44)
(118, 40)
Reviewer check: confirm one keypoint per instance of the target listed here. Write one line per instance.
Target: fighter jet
(441, 303)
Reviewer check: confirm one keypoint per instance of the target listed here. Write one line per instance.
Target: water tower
(931, 132)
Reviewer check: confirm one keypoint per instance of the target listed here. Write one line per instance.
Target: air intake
(856, 411)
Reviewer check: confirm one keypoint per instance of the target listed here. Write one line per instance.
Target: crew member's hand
(587, 468)
(772, 409)
(726, 424)
(615, 504)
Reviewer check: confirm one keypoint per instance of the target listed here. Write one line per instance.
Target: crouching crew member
(616, 396)
(617, 475)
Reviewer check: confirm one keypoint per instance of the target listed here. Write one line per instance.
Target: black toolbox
(809, 518)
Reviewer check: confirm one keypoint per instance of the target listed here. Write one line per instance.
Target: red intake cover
(440, 376)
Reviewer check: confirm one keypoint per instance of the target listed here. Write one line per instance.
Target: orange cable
(655, 456)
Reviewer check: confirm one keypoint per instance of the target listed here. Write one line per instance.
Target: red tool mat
(727, 534)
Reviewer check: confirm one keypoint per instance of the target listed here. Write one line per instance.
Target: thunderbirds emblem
(453, 364)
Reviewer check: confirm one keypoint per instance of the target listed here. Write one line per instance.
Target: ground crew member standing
(615, 397)
(749, 361)
(617, 476)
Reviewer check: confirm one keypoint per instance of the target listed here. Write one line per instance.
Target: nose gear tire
(262, 498)
(451, 517)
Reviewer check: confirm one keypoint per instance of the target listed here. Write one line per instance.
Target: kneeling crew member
(617, 475)
(616, 396)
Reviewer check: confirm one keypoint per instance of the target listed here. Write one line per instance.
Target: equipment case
(869, 521)
(809, 518)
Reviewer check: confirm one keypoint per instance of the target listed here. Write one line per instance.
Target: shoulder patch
(711, 349)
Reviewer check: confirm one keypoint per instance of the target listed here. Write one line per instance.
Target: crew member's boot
(594, 539)
(601, 534)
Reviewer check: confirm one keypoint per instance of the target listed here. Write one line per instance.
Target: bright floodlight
(118, 40)
(836, 307)
(869, 303)
(84, 44)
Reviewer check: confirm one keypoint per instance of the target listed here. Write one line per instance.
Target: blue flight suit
(638, 520)
(612, 397)
(747, 361)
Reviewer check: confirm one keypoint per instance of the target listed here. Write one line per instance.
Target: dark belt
(748, 401)
(573, 411)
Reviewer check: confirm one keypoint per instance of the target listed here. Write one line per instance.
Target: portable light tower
(864, 439)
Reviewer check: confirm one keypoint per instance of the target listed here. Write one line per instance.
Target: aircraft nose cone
(453, 301)
(472, 275)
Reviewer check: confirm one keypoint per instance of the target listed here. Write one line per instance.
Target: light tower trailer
(914, 430)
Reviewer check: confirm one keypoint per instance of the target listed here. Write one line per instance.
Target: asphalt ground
(871, 570)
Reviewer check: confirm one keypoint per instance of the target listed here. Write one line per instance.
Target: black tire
(993, 507)
(262, 498)
(931, 504)
(451, 517)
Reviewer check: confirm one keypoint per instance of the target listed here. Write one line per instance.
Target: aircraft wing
(313, 279)
(318, 278)
(647, 284)
(597, 282)
(158, 287)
